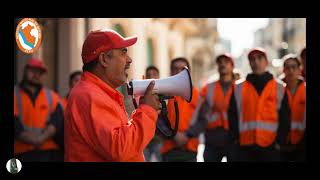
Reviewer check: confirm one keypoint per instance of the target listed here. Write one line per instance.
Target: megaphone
(177, 85)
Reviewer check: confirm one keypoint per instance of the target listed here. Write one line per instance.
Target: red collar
(113, 93)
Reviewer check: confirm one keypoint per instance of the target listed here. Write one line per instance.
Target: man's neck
(292, 83)
(225, 77)
(260, 73)
(31, 88)
(104, 79)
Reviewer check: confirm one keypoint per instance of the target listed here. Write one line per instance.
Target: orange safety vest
(258, 115)
(297, 103)
(219, 103)
(34, 117)
(186, 114)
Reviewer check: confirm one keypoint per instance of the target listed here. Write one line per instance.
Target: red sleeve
(115, 139)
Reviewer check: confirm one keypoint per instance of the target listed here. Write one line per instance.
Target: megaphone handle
(176, 125)
(164, 113)
(134, 103)
(164, 110)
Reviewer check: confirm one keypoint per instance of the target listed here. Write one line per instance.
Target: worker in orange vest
(213, 115)
(181, 148)
(258, 112)
(97, 127)
(73, 79)
(296, 91)
(38, 116)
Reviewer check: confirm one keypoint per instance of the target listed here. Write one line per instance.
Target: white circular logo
(28, 35)
(14, 166)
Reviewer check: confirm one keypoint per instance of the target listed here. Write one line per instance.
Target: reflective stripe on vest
(211, 117)
(20, 116)
(298, 126)
(225, 115)
(210, 93)
(215, 116)
(238, 96)
(257, 124)
(280, 93)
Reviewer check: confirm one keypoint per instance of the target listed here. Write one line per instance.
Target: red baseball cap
(257, 50)
(102, 41)
(36, 63)
(226, 55)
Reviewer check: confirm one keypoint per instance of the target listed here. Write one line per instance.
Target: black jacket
(259, 82)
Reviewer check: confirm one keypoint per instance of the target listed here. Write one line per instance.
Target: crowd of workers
(256, 118)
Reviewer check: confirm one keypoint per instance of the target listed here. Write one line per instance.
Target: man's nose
(129, 60)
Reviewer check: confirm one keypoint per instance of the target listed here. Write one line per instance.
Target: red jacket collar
(113, 93)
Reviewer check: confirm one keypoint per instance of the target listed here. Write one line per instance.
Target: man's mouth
(126, 69)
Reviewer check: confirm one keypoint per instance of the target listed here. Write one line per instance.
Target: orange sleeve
(114, 137)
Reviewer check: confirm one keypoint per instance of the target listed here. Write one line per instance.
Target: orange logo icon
(28, 35)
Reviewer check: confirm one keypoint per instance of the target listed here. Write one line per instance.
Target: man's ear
(104, 60)
(267, 61)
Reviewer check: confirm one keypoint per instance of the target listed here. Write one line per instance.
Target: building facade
(280, 37)
(159, 41)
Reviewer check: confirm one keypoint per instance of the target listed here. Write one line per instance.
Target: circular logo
(28, 35)
(14, 166)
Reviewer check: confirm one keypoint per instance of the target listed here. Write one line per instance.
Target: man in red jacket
(97, 127)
